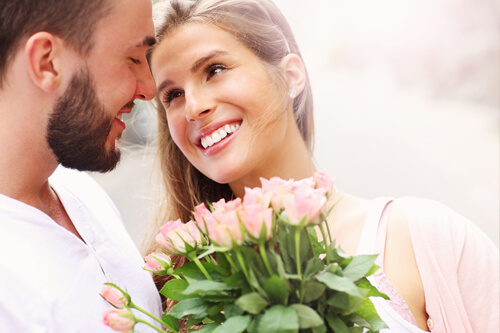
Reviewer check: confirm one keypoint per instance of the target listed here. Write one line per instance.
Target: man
(68, 72)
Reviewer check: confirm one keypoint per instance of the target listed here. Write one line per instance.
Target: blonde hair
(260, 26)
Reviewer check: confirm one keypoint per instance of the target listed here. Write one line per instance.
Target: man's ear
(43, 52)
(295, 73)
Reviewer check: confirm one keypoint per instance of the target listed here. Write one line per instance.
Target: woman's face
(224, 111)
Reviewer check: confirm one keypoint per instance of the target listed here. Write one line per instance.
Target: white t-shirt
(50, 281)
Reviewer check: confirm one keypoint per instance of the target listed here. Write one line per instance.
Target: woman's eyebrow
(198, 63)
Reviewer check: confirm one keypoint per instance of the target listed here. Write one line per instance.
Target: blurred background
(407, 98)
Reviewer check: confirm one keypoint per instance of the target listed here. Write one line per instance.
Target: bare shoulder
(400, 265)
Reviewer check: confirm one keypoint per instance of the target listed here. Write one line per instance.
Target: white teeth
(218, 135)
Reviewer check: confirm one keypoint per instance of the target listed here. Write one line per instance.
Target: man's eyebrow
(198, 63)
(147, 41)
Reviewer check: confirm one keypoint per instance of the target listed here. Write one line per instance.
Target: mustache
(130, 105)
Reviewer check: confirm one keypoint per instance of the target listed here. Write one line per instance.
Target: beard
(78, 128)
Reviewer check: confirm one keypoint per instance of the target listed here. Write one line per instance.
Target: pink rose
(174, 236)
(157, 262)
(257, 195)
(306, 183)
(278, 189)
(254, 217)
(226, 229)
(229, 206)
(324, 181)
(121, 320)
(202, 215)
(309, 204)
(114, 297)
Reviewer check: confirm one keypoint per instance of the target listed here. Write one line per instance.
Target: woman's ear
(295, 73)
(43, 52)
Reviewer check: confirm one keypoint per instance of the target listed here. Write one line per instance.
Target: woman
(234, 105)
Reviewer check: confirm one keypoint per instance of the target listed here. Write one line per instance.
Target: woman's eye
(213, 70)
(169, 96)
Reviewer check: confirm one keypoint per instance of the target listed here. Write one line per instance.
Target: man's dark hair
(72, 20)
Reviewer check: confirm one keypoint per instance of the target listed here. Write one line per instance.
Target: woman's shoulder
(435, 229)
(431, 220)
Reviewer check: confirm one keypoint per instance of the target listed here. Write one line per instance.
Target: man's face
(78, 139)
(87, 119)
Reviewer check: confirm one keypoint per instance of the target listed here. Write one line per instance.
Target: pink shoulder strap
(374, 232)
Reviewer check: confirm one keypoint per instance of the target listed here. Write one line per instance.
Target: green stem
(297, 252)
(212, 260)
(202, 269)
(263, 253)
(138, 308)
(138, 320)
(326, 244)
(242, 264)
(329, 233)
(231, 262)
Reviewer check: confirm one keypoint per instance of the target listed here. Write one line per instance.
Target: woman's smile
(222, 107)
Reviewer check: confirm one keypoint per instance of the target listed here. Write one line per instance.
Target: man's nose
(146, 88)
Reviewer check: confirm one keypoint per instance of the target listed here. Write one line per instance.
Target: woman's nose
(198, 105)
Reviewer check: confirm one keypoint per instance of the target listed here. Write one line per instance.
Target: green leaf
(313, 290)
(332, 268)
(345, 303)
(173, 289)
(218, 298)
(236, 324)
(337, 254)
(254, 282)
(215, 310)
(314, 265)
(279, 319)
(318, 246)
(252, 303)
(224, 263)
(359, 266)
(235, 280)
(369, 313)
(190, 270)
(286, 242)
(306, 249)
(208, 328)
(276, 290)
(206, 286)
(307, 317)
(359, 320)
(190, 306)
(253, 327)
(338, 283)
(232, 310)
(371, 290)
(319, 329)
(336, 324)
(171, 322)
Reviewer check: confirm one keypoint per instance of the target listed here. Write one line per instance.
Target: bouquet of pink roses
(256, 265)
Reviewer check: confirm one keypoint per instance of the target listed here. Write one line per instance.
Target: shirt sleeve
(459, 268)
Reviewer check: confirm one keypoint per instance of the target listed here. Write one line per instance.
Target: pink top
(458, 265)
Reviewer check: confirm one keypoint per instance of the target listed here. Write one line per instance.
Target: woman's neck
(291, 162)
